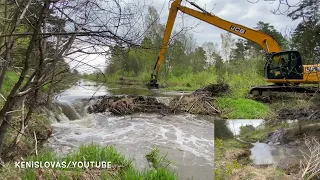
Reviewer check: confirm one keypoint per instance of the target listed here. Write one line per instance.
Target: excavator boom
(268, 43)
(283, 68)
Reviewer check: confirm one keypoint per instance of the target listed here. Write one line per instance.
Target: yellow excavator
(284, 69)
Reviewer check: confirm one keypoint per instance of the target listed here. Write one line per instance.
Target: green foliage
(239, 51)
(224, 172)
(306, 36)
(10, 79)
(240, 108)
(190, 80)
(140, 60)
(152, 174)
(157, 161)
(38, 124)
(9, 172)
(221, 130)
(223, 167)
(95, 153)
(260, 134)
(246, 129)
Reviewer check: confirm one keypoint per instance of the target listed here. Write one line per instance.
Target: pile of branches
(200, 102)
(213, 90)
(124, 105)
(195, 104)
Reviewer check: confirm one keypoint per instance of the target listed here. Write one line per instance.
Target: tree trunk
(3, 130)
(13, 99)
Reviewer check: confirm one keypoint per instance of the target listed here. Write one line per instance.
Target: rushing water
(88, 89)
(266, 154)
(186, 139)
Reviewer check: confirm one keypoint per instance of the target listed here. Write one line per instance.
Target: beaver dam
(202, 102)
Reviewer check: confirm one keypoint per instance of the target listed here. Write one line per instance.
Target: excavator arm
(268, 43)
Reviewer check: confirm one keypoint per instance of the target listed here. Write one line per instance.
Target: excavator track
(259, 90)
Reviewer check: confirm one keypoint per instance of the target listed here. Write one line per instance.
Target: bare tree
(310, 166)
(284, 7)
(56, 30)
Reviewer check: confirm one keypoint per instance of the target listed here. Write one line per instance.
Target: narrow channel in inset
(260, 149)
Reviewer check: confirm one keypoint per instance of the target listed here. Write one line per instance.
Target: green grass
(221, 146)
(224, 167)
(189, 81)
(157, 161)
(241, 108)
(10, 79)
(87, 153)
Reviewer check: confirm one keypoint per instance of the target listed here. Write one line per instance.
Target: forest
(189, 66)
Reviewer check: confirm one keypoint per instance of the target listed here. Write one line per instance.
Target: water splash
(187, 139)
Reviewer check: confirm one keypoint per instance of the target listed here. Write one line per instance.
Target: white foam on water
(183, 133)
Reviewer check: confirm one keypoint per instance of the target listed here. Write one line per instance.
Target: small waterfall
(277, 137)
(63, 111)
(68, 110)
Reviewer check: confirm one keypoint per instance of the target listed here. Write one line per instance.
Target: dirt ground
(303, 113)
(292, 106)
(259, 173)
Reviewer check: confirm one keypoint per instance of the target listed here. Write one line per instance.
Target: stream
(187, 140)
(267, 154)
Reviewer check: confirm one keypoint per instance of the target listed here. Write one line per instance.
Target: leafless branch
(310, 166)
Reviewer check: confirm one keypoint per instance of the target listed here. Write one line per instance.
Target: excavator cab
(284, 65)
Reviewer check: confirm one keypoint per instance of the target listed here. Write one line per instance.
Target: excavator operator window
(278, 66)
(285, 65)
(295, 66)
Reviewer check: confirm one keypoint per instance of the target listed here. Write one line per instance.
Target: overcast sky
(237, 11)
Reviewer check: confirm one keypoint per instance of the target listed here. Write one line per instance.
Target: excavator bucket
(153, 84)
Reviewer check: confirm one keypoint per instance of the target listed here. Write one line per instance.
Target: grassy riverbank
(232, 155)
(232, 163)
(121, 168)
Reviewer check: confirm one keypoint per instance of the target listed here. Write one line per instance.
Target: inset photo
(261, 149)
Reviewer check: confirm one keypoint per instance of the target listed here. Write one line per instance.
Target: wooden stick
(194, 102)
(177, 104)
(22, 122)
(36, 142)
(218, 111)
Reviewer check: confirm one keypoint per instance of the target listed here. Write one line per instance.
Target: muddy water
(282, 155)
(88, 89)
(266, 154)
(186, 139)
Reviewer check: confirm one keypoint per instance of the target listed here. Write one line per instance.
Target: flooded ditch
(271, 153)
